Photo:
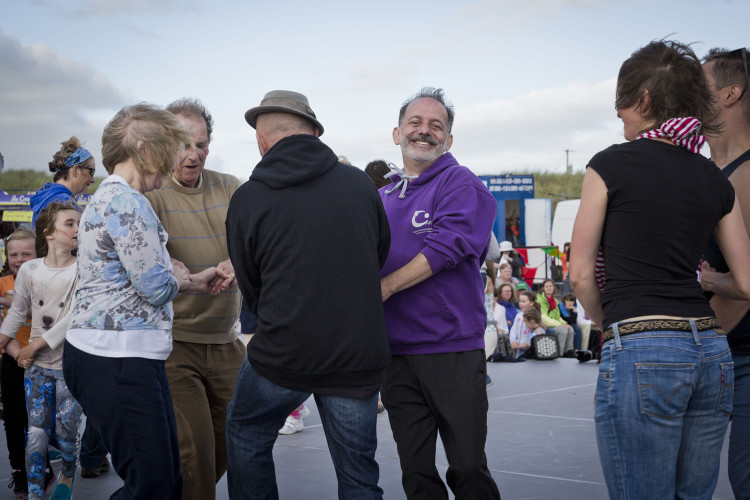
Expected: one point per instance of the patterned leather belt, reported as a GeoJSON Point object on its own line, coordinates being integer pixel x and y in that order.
{"type": "Point", "coordinates": [661, 325]}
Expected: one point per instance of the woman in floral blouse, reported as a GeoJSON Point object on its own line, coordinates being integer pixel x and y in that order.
{"type": "Point", "coordinates": [120, 329]}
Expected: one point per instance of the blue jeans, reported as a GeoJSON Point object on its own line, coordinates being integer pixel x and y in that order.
{"type": "Point", "coordinates": [663, 401]}
{"type": "Point", "coordinates": [257, 412]}
{"type": "Point", "coordinates": [739, 436]}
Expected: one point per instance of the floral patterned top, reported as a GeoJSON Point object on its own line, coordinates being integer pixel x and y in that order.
{"type": "Point", "coordinates": [125, 287]}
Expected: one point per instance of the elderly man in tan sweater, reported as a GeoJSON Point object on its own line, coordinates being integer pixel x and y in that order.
{"type": "Point", "coordinates": [207, 353]}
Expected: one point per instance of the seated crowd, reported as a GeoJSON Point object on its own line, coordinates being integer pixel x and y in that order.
{"type": "Point", "coordinates": [516, 314]}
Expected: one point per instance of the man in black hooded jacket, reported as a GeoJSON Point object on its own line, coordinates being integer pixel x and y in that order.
{"type": "Point", "coordinates": [324, 335]}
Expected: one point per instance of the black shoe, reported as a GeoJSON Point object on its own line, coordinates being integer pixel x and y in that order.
{"type": "Point", "coordinates": [96, 471]}
{"type": "Point", "coordinates": [19, 484]}
{"type": "Point", "coordinates": [569, 354]}
{"type": "Point", "coordinates": [584, 356]}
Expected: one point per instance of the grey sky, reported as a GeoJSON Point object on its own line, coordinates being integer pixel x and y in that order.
{"type": "Point", "coordinates": [528, 79]}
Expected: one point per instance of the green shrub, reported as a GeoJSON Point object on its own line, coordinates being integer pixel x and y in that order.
{"type": "Point", "coordinates": [22, 181]}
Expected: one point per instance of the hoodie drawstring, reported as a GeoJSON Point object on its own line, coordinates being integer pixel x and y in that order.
{"type": "Point", "coordinates": [395, 170]}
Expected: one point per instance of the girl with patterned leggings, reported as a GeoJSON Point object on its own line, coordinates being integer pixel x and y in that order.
{"type": "Point", "coordinates": [44, 287]}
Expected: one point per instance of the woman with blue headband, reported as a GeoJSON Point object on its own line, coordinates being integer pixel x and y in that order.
{"type": "Point", "coordinates": [73, 168]}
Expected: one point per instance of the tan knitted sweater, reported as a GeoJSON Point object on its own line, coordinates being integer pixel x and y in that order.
{"type": "Point", "coordinates": [194, 219]}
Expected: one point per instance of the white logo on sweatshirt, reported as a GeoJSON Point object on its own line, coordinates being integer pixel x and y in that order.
{"type": "Point", "coordinates": [425, 217]}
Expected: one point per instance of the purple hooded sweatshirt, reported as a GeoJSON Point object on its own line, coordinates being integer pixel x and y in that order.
{"type": "Point", "coordinates": [446, 214]}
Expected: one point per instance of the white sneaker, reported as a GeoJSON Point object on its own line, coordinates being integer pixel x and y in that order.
{"type": "Point", "coordinates": [304, 412]}
{"type": "Point", "coordinates": [291, 426]}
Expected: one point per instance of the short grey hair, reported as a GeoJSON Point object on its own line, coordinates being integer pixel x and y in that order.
{"type": "Point", "coordinates": [432, 93]}
{"type": "Point", "coordinates": [188, 106]}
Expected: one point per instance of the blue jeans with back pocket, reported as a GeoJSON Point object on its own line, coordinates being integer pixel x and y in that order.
{"type": "Point", "coordinates": [663, 401]}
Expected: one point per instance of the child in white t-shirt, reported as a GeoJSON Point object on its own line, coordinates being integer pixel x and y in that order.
{"type": "Point", "coordinates": [44, 287]}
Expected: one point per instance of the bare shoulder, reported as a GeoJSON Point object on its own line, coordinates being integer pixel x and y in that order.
{"type": "Point", "coordinates": [740, 179]}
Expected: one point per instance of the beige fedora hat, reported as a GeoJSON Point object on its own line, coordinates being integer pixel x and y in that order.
{"type": "Point", "coordinates": [283, 101]}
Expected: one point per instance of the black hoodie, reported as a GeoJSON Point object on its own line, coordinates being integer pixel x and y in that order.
{"type": "Point", "coordinates": [307, 236]}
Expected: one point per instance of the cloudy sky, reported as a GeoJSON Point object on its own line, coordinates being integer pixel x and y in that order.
{"type": "Point", "coordinates": [528, 78]}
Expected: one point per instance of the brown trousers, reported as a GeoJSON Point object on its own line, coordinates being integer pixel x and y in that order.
{"type": "Point", "coordinates": [202, 379]}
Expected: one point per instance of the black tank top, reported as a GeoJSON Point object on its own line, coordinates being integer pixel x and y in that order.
{"type": "Point", "coordinates": [739, 337]}
{"type": "Point", "coordinates": [663, 202]}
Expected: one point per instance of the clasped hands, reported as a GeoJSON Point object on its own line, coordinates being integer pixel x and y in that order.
{"type": "Point", "coordinates": [24, 356]}
{"type": "Point", "coordinates": [213, 280]}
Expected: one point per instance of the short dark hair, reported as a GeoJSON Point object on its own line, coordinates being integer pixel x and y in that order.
{"type": "Point", "coordinates": [376, 170]}
{"type": "Point", "coordinates": [188, 106]}
{"type": "Point", "coordinates": [727, 71]}
{"type": "Point", "coordinates": [432, 93]}
{"type": "Point", "coordinates": [676, 84]}
{"type": "Point", "coordinates": [569, 297]}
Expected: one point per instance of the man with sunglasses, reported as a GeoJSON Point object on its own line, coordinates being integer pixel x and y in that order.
{"type": "Point", "coordinates": [727, 75]}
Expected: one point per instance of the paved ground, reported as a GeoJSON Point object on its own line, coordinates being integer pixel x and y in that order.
{"type": "Point", "coordinates": [540, 443]}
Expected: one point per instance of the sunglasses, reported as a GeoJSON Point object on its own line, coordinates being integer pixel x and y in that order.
{"type": "Point", "coordinates": [91, 170]}
{"type": "Point", "coordinates": [741, 54]}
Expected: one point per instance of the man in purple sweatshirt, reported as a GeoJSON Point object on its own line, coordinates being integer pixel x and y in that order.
{"type": "Point", "coordinates": [440, 215]}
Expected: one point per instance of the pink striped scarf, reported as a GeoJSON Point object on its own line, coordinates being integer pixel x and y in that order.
{"type": "Point", "coordinates": [681, 131]}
